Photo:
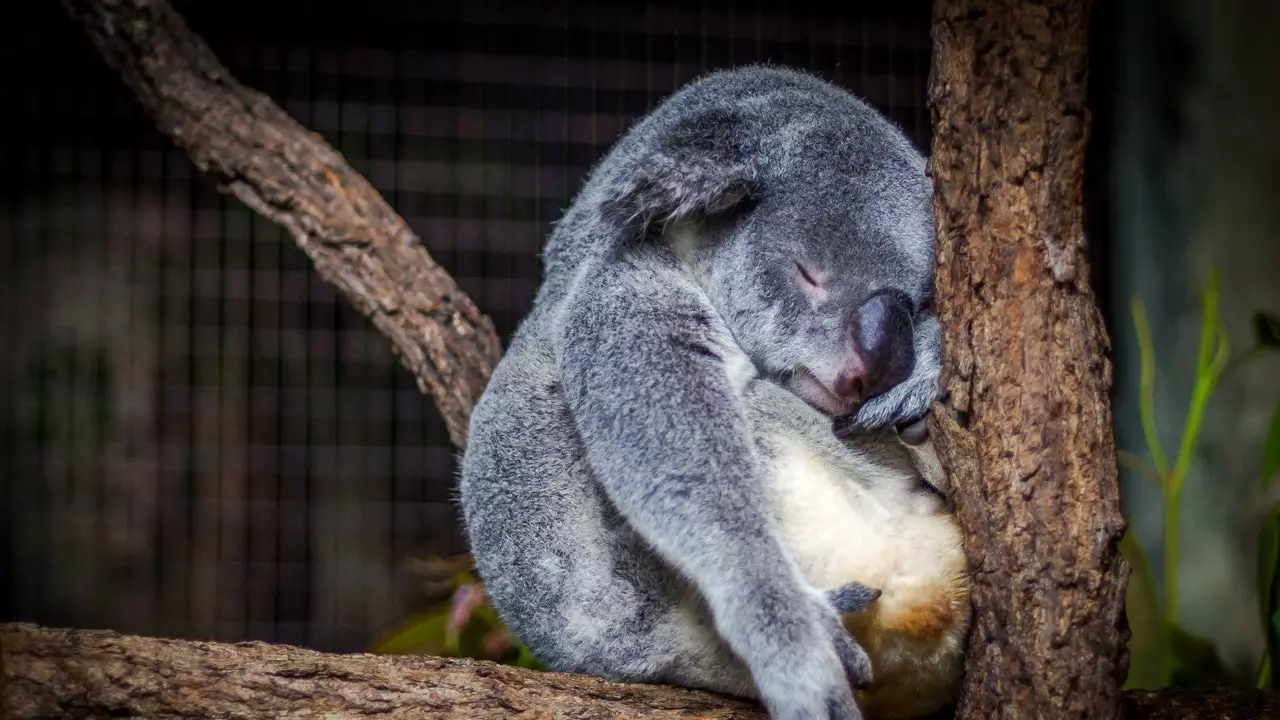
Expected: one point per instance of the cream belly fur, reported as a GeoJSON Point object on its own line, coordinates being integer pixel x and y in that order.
{"type": "Point", "coordinates": [839, 531]}
{"type": "Point", "coordinates": [871, 510]}
{"type": "Point", "coordinates": [868, 509]}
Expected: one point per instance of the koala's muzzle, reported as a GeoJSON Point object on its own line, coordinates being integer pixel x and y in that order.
{"type": "Point", "coordinates": [882, 348]}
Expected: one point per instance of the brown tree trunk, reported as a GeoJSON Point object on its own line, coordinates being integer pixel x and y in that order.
{"type": "Point", "coordinates": [265, 158]}
{"type": "Point", "coordinates": [1032, 457]}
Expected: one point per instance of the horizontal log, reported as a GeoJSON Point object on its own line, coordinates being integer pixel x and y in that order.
{"type": "Point", "coordinates": [57, 673]}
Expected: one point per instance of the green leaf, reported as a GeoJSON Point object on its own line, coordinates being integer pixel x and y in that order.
{"type": "Point", "coordinates": [1268, 557]}
{"type": "Point", "coordinates": [1195, 660]}
{"type": "Point", "coordinates": [1268, 598]}
{"type": "Point", "coordinates": [1146, 397]}
{"type": "Point", "coordinates": [1271, 449]}
{"type": "Point", "coordinates": [425, 633]}
{"type": "Point", "coordinates": [1146, 649]}
{"type": "Point", "coordinates": [1266, 329]}
{"type": "Point", "coordinates": [526, 659]}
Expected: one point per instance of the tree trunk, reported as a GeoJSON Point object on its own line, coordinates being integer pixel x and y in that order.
{"type": "Point", "coordinates": [1031, 457]}
{"type": "Point", "coordinates": [265, 158]}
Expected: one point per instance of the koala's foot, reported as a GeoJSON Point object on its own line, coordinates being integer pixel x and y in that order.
{"type": "Point", "coordinates": [813, 664]}
{"type": "Point", "coordinates": [853, 597]}
{"type": "Point", "coordinates": [907, 403]}
{"type": "Point", "coordinates": [915, 432]}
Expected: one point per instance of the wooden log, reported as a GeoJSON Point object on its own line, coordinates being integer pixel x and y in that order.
{"type": "Point", "coordinates": [53, 674]}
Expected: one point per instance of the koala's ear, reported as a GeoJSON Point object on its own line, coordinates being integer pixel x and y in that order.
{"type": "Point", "coordinates": [695, 167]}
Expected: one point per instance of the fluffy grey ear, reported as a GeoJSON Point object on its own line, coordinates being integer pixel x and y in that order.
{"type": "Point", "coordinates": [694, 166]}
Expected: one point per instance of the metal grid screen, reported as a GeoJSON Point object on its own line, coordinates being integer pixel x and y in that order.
{"type": "Point", "coordinates": [201, 438]}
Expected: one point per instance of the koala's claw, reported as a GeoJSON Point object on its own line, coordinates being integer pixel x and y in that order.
{"type": "Point", "coordinates": [954, 414]}
{"type": "Point", "coordinates": [856, 662]}
{"type": "Point", "coordinates": [806, 680]}
{"type": "Point", "coordinates": [853, 597]}
{"type": "Point", "coordinates": [915, 431]}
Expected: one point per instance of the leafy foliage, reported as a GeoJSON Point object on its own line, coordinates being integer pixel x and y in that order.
{"type": "Point", "coordinates": [459, 622]}
{"type": "Point", "coordinates": [1163, 652]}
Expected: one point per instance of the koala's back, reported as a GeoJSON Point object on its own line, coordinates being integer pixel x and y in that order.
{"type": "Point", "coordinates": [569, 577]}
{"type": "Point", "coordinates": [539, 529]}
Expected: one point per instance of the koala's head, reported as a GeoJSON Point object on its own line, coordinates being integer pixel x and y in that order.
{"type": "Point", "coordinates": [823, 273]}
{"type": "Point", "coordinates": [806, 215]}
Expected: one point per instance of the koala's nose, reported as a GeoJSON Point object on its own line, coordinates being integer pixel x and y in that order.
{"type": "Point", "coordinates": [881, 349]}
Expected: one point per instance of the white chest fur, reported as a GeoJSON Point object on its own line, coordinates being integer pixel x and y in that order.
{"type": "Point", "coordinates": [845, 516]}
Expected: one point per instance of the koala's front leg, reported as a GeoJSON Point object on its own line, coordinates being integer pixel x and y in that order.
{"type": "Point", "coordinates": [910, 400]}
{"type": "Point", "coordinates": [657, 406]}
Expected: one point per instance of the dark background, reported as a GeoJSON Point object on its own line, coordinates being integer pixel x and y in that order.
{"type": "Point", "coordinates": [200, 438]}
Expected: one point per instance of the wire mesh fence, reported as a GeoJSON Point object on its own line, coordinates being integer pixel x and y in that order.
{"type": "Point", "coordinates": [201, 439]}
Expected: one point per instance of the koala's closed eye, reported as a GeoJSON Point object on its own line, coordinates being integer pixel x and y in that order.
{"type": "Point", "coordinates": [811, 278]}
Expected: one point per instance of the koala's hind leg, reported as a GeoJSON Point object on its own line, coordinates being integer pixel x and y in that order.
{"type": "Point", "coordinates": [569, 577]}
{"type": "Point", "coordinates": [623, 616]}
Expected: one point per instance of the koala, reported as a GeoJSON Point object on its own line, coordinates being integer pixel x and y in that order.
{"type": "Point", "coordinates": [649, 484]}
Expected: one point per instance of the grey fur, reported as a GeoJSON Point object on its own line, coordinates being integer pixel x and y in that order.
{"type": "Point", "coordinates": [612, 483]}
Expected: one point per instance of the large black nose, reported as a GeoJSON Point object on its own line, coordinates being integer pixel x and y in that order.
{"type": "Point", "coordinates": [882, 348]}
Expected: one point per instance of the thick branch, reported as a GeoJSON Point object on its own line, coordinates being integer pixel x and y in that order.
{"type": "Point", "coordinates": [1034, 464]}
{"type": "Point", "coordinates": [83, 673]}
{"type": "Point", "coordinates": [96, 674]}
{"type": "Point", "coordinates": [291, 176]}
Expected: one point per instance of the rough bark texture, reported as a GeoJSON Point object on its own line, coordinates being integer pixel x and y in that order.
{"type": "Point", "coordinates": [87, 674]}
{"type": "Point", "coordinates": [97, 674]}
{"type": "Point", "coordinates": [1032, 457]}
{"type": "Point", "coordinates": [275, 166]}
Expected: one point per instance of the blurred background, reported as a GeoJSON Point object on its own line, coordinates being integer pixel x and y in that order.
{"type": "Point", "coordinates": [199, 438]}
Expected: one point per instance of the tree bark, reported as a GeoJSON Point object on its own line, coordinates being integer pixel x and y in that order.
{"type": "Point", "coordinates": [53, 674]}
{"type": "Point", "coordinates": [1032, 456]}
{"type": "Point", "coordinates": [262, 156]}
{"type": "Point", "coordinates": [100, 674]}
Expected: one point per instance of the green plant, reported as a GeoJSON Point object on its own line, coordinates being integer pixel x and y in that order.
{"type": "Point", "coordinates": [459, 621]}
{"type": "Point", "coordinates": [1267, 332]}
{"type": "Point", "coordinates": [1171, 655]}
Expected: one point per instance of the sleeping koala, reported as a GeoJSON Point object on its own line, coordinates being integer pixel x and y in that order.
{"type": "Point", "coordinates": [651, 485]}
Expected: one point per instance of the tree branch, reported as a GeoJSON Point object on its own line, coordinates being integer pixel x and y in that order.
{"type": "Point", "coordinates": [291, 176]}
{"type": "Point", "coordinates": [86, 673]}
{"type": "Point", "coordinates": [53, 674]}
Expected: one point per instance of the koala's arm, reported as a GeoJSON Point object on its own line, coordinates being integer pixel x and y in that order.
{"type": "Point", "coordinates": [651, 381]}
{"type": "Point", "coordinates": [911, 399]}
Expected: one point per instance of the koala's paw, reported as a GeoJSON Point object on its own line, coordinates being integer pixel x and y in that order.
{"type": "Point", "coordinates": [852, 597]}
{"type": "Point", "coordinates": [810, 696]}
{"type": "Point", "coordinates": [904, 404]}
{"type": "Point", "coordinates": [814, 674]}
